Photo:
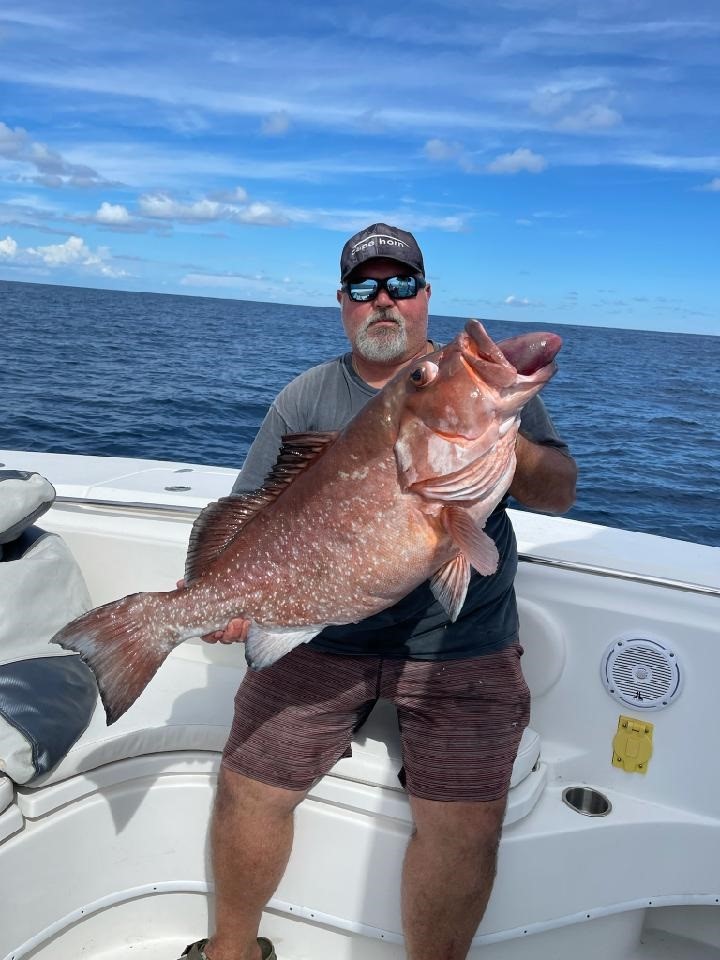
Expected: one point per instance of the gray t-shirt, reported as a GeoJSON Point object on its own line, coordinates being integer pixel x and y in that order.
{"type": "Point", "coordinates": [326, 398]}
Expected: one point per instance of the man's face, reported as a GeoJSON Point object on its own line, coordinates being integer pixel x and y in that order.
{"type": "Point", "coordinates": [384, 330]}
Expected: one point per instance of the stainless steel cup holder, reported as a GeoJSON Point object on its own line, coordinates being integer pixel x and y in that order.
{"type": "Point", "coordinates": [587, 801]}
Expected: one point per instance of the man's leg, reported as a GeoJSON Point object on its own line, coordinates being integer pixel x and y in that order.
{"type": "Point", "coordinates": [448, 875]}
{"type": "Point", "coordinates": [252, 833]}
{"type": "Point", "coordinates": [292, 722]}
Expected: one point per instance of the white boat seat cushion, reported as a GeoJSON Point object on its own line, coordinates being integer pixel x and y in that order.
{"type": "Point", "coordinates": [23, 498]}
{"type": "Point", "coordinates": [6, 793]}
{"type": "Point", "coordinates": [188, 705]}
{"type": "Point", "coordinates": [11, 819]}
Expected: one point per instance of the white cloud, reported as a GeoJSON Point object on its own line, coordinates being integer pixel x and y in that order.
{"type": "Point", "coordinates": [713, 186]}
{"type": "Point", "coordinates": [276, 124]}
{"type": "Point", "coordinates": [8, 247]}
{"type": "Point", "coordinates": [236, 195]}
{"type": "Point", "coordinates": [12, 142]}
{"type": "Point", "coordinates": [27, 18]}
{"type": "Point", "coordinates": [572, 105]}
{"type": "Point", "coordinates": [681, 164]}
{"type": "Point", "coordinates": [50, 168]}
{"type": "Point", "coordinates": [261, 213]}
{"type": "Point", "coordinates": [596, 117]}
{"type": "Point", "coordinates": [74, 252]}
{"type": "Point", "coordinates": [112, 213]}
{"type": "Point", "coordinates": [164, 207]}
{"type": "Point", "coordinates": [513, 301]}
{"type": "Point", "coordinates": [550, 100]}
{"type": "Point", "coordinates": [518, 161]}
{"type": "Point", "coordinates": [439, 151]}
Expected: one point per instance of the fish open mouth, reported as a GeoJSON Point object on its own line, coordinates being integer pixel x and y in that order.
{"type": "Point", "coordinates": [528, 355]}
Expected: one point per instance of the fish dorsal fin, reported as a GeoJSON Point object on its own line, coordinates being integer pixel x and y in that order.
{"type": "Point", "coordinates": [220, 522]}
{"type": "Point", "coordinates": [298, 451]}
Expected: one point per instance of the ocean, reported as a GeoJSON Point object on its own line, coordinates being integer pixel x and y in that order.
{"type": "Point", "coordinates": [190, 378]}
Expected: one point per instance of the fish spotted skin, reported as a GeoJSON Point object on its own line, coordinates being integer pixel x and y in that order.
{"type": "Point", "coordinates": [347, 524]}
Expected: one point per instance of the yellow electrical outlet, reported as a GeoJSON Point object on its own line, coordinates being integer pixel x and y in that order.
{"type": "Point", "coordinates": [632, 745]}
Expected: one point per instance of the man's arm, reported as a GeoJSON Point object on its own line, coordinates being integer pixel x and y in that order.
{"type": "Point", "coordinates": [263, 452]}
{"type": "Point", "coordinates": [545, 477]}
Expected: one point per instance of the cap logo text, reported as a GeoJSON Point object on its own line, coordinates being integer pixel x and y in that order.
{"type": "Point", "coordinates": [377, 239]}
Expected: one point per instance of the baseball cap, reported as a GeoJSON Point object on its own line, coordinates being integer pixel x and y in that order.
{"type": "Point", "coordinates": [381, 240]}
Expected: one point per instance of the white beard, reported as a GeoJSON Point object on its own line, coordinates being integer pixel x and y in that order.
{"type": "Point", "coordinates": [382, 344]}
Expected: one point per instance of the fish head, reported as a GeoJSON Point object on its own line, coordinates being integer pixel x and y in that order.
{"type": "Point", "coordinates": [461, 410]}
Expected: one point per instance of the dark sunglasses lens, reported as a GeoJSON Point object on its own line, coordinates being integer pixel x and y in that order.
{"type": "Point", "coordinates": [401, 288]}
{"type": "Point", "coordinates": [363, 290]}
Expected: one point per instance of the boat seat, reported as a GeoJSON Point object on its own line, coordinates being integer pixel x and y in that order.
{"type": "Point", "coordinates": [6, 792]}
{"type": "Point", "coordinates": [11, 820]}
{"type": "Point", "coordinates": [46, 694]}
{"type": "Point", "coordinates": [188, 706]}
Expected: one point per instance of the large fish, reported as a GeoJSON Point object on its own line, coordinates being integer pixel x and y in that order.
{"type": "Point", "coordinates": [346, 524]}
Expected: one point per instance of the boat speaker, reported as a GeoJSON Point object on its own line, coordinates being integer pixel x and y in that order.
{"type": "Point", "coordinates": [641, 672]}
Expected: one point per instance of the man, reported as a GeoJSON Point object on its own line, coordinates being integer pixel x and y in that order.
{"type": "Point", "coordinates": [457, 786]}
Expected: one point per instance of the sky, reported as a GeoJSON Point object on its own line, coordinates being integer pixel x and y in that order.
{"type": "Point", "coordinates": [558, 162]}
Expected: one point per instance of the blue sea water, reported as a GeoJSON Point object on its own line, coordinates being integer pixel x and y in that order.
{"type": "Point", "coordinates": [190, 378]}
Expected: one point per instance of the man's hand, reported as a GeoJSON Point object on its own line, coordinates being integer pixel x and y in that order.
{"type": "Point", "coordinates": [235, 632]}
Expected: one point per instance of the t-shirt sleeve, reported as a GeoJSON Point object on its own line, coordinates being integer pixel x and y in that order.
{"type": "Point", "coordinates": [536, 425]}
{"type": "Point", "coordinates": [292, 411]}
{"type": "Point", "coordinates": [263, 452]}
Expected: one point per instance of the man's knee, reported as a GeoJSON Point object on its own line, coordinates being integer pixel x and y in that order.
{"type": "Point", "coordinates": [243, 795]}
{"type": "Point", "coordinates": [474, 825]}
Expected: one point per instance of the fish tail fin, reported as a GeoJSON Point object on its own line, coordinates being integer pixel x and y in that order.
{"type": "Point", "coordinates": [123, 643]}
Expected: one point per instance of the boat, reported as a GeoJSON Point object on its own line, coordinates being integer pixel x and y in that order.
{"type": "Point", "coordinates": [611, 841]}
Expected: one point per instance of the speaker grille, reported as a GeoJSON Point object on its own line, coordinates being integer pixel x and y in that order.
{"type": "Point", "coordinates": [641, 673]}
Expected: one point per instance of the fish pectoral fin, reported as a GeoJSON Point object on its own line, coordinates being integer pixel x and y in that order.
{"type": "Point", "coordinates": [472, 540]}
{"type": "Point", "coordinates": [266, 644]}
{"type": "Point", "coordinates": [450, 583]}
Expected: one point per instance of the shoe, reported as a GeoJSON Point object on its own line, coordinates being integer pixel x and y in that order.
{"type": "Point", "coordinates": [196, 951]}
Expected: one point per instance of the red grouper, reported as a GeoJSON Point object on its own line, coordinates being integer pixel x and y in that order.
{"type": "Point", "coordinates": [346, 524]}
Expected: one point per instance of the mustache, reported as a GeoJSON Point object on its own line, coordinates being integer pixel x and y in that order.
{"type": "Point", "coordinates": [385, 314]}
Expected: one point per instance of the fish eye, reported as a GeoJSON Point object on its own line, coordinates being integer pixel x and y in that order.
{"type": "Point", "coordinates": [424, 374]}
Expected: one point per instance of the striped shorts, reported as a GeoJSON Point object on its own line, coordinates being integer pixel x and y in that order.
{"type": "Point", "coordinates": [460, 720]}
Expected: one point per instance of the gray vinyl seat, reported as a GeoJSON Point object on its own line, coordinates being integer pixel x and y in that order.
{"type": "Point", "coordinates": [46, 695]}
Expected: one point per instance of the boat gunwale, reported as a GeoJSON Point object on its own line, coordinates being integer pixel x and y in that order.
{"type": "Point", "coordinates": [190, 512]}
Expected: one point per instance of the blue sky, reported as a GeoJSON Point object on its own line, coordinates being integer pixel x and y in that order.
{"type": "Point", "coordinates": [559, 162]}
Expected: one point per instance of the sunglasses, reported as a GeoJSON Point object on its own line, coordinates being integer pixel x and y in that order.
{"type": "Point", "coordinates": [398, 288]}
